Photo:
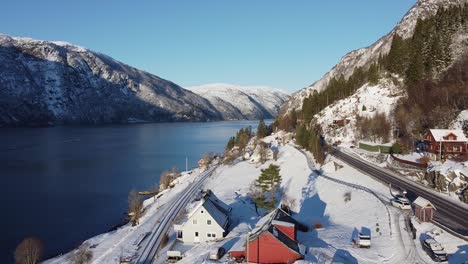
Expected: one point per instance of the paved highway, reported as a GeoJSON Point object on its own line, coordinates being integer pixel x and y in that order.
{"type": "Point", "coordinates": [148, 251]}
{"type": "Point", "coordinates": [450, 213]}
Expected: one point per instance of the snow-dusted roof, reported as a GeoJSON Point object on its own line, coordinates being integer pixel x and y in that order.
{"type": "Point", "coordinates": [439, 134]}
{"type": "Point", "coordinates": [421, 202]}
{"type": "Point", "coordinates": [215, 207]}
{"type": "Point", "coordinates": [277, 216]}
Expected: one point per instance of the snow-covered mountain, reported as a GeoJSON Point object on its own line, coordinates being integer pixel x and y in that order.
{"type": "Point", "coordinates": [366, 56]}
{"type": "Point", "coordinates": [45, 82]}
{"type": "Point", "coordinates": [242, 102]}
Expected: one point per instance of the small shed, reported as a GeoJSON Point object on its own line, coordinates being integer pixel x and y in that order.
{"type": "Point", "coordinates": [423, 209]}
{"type": "Point", "coordinates": [237, 251]}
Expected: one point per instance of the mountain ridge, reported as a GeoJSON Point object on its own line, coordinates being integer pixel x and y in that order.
{"type": "Point", "coordinates": [363, 57]}
{"type": "Point", "coordinates": [242, 102]}
{"type": "Point", "coordinates": [44, 83]}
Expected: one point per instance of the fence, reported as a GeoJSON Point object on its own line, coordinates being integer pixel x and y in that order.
{"type": "Point", "coordinates": [407, 162]}
{"type": "Point", "coordinates": [375, 148]}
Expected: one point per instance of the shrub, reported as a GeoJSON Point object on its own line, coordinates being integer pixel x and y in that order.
{"type": "Point", "coordinates": [82, 255]}
{"type": "Point", "coordinates": [29, 251]}
{"type": "Point", "coordinates": [347, 197]}
{"type": "Point", "coordinates": [396, 148]}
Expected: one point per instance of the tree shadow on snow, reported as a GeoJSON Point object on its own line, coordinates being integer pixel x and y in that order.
{"type": "Point", "coordinates": [243, 211]}
{"type": "Point", "coordinates": [343, 256]}
{"type": "Point", "coordinates": [460, 255]}
{"type": "Point", "coordinates": [312, 212]}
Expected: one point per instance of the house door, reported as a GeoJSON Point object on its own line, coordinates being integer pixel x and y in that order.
{"type": "Point", "coordinates": [196, 238]}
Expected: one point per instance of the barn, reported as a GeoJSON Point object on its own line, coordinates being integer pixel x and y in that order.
{"type": "Point", "coordinates": [423, 209]}
{"type": "Point", "coordinates": [274, 240]}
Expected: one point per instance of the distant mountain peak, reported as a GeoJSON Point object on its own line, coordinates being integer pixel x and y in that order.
{"type": "Point", "coordinates": [242, 102]}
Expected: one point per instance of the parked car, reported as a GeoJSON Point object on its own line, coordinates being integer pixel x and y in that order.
{"type": "Point", "coordinates": [173, 256]}
{"type": "Point", "coordinates": [364, 238]}
{"type": "Point", "coordinates": [217, 253]}
{"type": "Point", "coordinates": [401, 204]}
{"type": "Point", "coordinates": [401, 198]}
{"type": "Point", "coordinates": [434, 250]}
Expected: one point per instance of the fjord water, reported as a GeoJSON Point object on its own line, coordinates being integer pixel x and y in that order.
{"type": "Point", "coordinates": [66, 184]}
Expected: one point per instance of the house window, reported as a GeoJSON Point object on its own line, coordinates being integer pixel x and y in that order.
{"type": "Point", "coordinates": [196, 234]}
{"type": "Point", "coordinates": [213, 235]}
{"type": "Point", "coordinates": [456, 149]}
{"type": "Point", "coordinates": [201, 211]}
{"type": "Point", "coordinates": [194, 222]}
{"type": "Point", "coordinates": [208, 222]}
{"type": "Point", "coordinates": [179, 234]}
{"type": "Point", "coordinates": [208, 234]}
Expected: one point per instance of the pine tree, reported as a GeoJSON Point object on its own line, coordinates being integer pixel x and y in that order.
{"type": "Point", "coordinates": [269, 178]}
{"type": "Point", "coordinates": [373, 74]}
{"type": "Point", "coordinates": [262, 130]}
{"type": "Point", "coordinates": [397, 56]}
{"type": "Point", "coordinates": [231, 143]}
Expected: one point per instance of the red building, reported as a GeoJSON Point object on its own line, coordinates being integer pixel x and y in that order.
{"type": "Point", "coordinates": [423, 209]}
{"type": "Point", "coordinates": [274, 240]}
{"type": "Point", "coordinates": [445, 143]}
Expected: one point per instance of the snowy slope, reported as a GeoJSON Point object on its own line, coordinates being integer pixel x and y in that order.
{"type": "Point", "coordinates": [366, 56]}
{"type": "Point", "coordinates": [56, 82]}
{"type": "Point", "coordinates": [317, 199]}
{"type": "Point", "coordinates": [380, 98]}
{"type": "Point", "coordinates": [242, 102]}
{"type": "Point", "coordinates": [461, 122]}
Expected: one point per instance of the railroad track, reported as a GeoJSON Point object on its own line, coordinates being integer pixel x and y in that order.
{"type": "Point", "coordinates": [150, 249]}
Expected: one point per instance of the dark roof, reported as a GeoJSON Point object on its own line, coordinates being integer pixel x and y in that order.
{"type": "Point", "coordinates": [265, 225]}
{"type": "Point", "coordinates": [284, 239]}
{"type": "Point", "coordinates": [217, 209]}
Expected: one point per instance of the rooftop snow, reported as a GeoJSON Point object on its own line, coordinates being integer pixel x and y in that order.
{"type": "Point", "coordinates": [439, 134]}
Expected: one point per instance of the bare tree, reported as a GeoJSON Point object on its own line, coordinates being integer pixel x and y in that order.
{"type": "Point", "coordinates": [135, 206]}
{"type": "Point", "coordinates": [263, 151]}
{"type": "Point", "coordinates": [82, 255]}
{"type": "Point", "coordinates": [29, 251]}
{"type": "Point", "coordinates": [208, 158]}
{"type": "Point", "coordinates": [165, 180]}
{"type": "Point", "coordinates": [275, 154]}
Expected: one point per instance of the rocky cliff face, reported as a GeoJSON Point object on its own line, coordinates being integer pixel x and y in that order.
{"type": "Point", "coordinates": [236, 102]}
{"type": "Point", "coordinates": [366, 56]}
{"type": "Point", "coordinates": [58, 83]}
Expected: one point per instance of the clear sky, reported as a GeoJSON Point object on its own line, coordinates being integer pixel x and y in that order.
{"type": "Point", "coordinates": [284, 44]}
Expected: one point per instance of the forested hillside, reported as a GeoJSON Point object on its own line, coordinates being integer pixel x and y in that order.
{"type": "Point", "coordinates": [430, 67]}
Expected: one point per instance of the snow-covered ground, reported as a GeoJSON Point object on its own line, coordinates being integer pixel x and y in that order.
{"type": "Point", "coordinates": [109, 247]}
{"type": "Point", "coordinates": [317, 199]}
{"type": "Point", "coordinates": [366, 101]}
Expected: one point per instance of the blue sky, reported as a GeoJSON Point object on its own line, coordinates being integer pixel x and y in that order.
{"type": "Point", "coordinates": [284, 44]}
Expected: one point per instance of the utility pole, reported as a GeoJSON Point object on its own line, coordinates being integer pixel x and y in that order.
{"type": "Point", "coordinates": [440, 150]}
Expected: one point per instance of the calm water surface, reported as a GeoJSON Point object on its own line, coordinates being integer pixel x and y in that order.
{"type": "Point", "coordinates": [66, 184]}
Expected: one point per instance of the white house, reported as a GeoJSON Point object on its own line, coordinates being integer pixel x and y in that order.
{"type": "Point", "coordinates": [209, 220]}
